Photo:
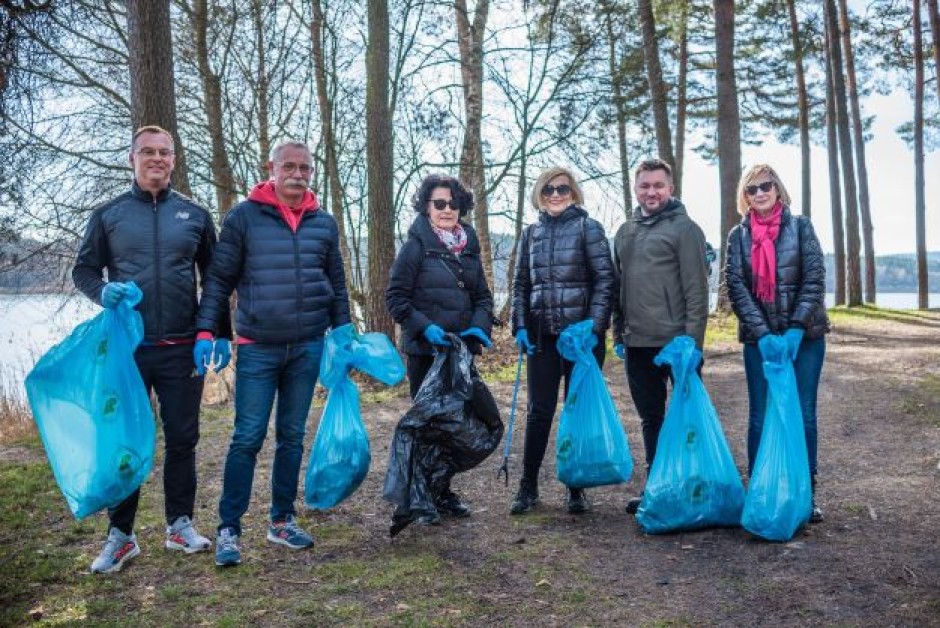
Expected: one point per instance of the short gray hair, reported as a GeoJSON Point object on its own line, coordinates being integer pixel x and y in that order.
{"type": "Point", "coordinates": [280, 148]}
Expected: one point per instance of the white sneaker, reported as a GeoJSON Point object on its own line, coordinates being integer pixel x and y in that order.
{"type": "Point", "coordinates": [183, 536]}
{"type": "Point", "coordinates": [117, 550]}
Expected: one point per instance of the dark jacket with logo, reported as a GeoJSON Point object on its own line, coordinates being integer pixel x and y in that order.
{"type": "Point", "coordinates": [158, 243]}
{"type": "Point", "coordinates": [662, 278]}
{"type": "Point", "coordinates": [429, 284]}
{"type": "Point", "coordinates": [564, 274]}
{"type": "Point", "coordinates": [801, 281]}
{"type": "Point", "coordinates": [291, 285]}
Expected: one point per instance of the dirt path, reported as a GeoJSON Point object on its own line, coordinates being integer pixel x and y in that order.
{"type": "Point", "coordinates": [874, 561]}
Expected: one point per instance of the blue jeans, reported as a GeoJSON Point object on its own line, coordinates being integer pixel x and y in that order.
{"type": "Point", "coordinates": [262, 371]}
{"type": "Point", "coordinates": [807, 368]}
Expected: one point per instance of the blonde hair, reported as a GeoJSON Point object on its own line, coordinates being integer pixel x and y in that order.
{"type": "Point", "coordinates": [577, 196]}
{"type": "Point", "coordinates": [752, 174]}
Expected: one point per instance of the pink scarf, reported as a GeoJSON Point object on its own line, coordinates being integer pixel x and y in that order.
{"type": "Point", "coordinates": [764, 232]}
{"type": "Point", "coordinates": [455, 240]}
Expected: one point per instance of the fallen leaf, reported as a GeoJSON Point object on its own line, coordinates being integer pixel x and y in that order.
{"type": "Point", "coordinates": [402, 607]}
{"type": "Point", "coordinates": [543, 583]}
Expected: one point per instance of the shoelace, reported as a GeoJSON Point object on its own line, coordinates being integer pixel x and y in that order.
{"type": "Point", "coordinates": [228, 541]}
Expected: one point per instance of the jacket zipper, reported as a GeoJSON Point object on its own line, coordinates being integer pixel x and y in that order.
{"type": "Point", "coordinates": [156, 265]}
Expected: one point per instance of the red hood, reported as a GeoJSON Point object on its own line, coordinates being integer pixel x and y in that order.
{"type": "Point", "coordinates": [264, 193]}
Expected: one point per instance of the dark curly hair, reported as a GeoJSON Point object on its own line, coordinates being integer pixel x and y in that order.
{"type": "Point", "coordinates": [462, 197]}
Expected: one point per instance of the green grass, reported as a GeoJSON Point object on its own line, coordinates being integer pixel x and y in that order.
{"type": "Point", "coordinates": [923, 402]}
{"type": "Point", "coordinates": [870, 314]}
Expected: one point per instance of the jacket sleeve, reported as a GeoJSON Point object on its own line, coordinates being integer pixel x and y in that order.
{"type": "Point", "coordinates": [812, 291]}
{"type": "Point", "coordinates": [521, 283]}
{"type": "Point", "coordinates": [618, 314]}
{"type": "Point", "coordinates": [400, 292]}
{"type": "Point", "coordinates": [204, 254]}
{"type": "Point", "coordinates": [339, 309]}
{"type": "Point", "coordinates": [693, 273]}
{"type": "Point", "coordinates": [602, 271]}
{"type": "Point", "coordinates": [224, 272]}
{"type": "Point", "coordinates": [93, 256]}
{"type": "Point", "coordinates": [743, 302]}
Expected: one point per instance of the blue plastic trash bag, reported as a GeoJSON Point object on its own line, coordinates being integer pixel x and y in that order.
{"type": "Point", "coordinates": [340, 457]}
{"type": "Point", "coordinates": [779, 497]}
{"type": "Point", "coordinates": [591, 447]}
{"type": "Point", "coordinates": [694, 482]}
{"type": "Point", "coordinates": [93, 412]}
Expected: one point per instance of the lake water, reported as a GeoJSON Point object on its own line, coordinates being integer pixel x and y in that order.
{"type": "Point", "coordinates": [31, 324]}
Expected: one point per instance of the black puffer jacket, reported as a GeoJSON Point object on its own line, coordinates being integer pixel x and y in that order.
{"type": "Point", "coordinates": [156, 242]}
{"type": "Point", "coordinates": [564, 275]}
{"type": "Point", "coordinates": [424, 288]}
{"type": "Point", "coordinates": [801, 282]}
{"type": "Point", "coordinates": [291, 285]}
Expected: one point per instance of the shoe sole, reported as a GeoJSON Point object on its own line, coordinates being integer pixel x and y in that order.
{"type": "Point", "coordinates": [228, 563]}
{"type": "Point", "coordinates": [279, 541]}
{"type": "Point", "coordinates": [170, 545]}
{"type": "Point", "coordinates": [578, 510]}
{"type": "Point", "coordinates": [116, 567]}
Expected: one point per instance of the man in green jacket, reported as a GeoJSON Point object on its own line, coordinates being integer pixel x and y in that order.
{"type": "Point", "coordinates": [659, 256]}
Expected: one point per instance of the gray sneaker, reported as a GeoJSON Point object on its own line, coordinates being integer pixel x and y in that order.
{"type": "Point", "coordinates": [227, 553]}
{"type": "Point", "coordinates": [117, 550]}
{"type": "Point", "coordinates": [289, 534]}
{"type": "Point", "coordinates": [181, 535]}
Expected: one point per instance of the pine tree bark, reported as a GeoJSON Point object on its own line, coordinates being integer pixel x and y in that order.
{"type": "Point", "coordinates": [934, 13]}
{"type": "Point", "coordinates": [654, 73]}
{"type": "Point", "coordinates": [920, 204]}
{"type": "Point", "coordinates": [380, 166]}
{"type": "Point", "coordinates": [729, 126]}
{"type": "Point", "coordinates": [860, 162]}
{"type": "Point", "coordinates": [802, 100]}
{"type": "Point", "coordinates": [681, 95]}
{"type": "Point", "coordinates": [617, 88]}
{"type": "Point", "coordinates": [853, 242]}
{"type": "Point", "coordinates": [153, 85]}
{"type": "Point", "coordinates": [472, 170]}
{"type": "Point", "coordinates": [835, 185]}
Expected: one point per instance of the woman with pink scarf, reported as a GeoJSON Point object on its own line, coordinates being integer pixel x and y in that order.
{"type": "Point", "coordinates": [776, 280]}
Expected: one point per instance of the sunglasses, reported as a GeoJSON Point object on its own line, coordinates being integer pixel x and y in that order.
{"type": "Point", "coordinates": [563, 190]}
{"type": "Point", "coordinates": [440, 204]}
{"type": "Point", "coordinates": [766, 186]}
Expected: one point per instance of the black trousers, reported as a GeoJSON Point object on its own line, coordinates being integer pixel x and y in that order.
{"type": "Point", "coordinates": [168, 370]}
{"type": "Point", "coordinates": [648, 389]}
{"type": "Point", "coordinates": [544, 372]}
{"type": "Point", "coordinates": [417, 367]}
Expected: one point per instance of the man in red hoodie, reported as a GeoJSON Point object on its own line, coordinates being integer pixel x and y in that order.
{"type": "Point", "coordinates": [281, 253]}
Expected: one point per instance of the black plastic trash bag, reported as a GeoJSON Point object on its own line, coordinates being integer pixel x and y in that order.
{"type": "Point", "coordinates": [453, 426]}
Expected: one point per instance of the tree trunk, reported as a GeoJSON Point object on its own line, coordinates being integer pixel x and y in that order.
{"type": "Point", "coordinates": [803, 105]}
{"type": "Point", "coordinates": [222, 178]}
{"type": "Point", "coordinates": [380, 166]}
{"type": "Point", "coordinates": [521, 198]}
{"type": "Point", "coordinates": [331, 161]}
{"type": "Point", "coordinates": [262, 93]}
{"type": "Point", "coordinates": [835, 195]}
{"type": "Point", "coordinates": [472, 167]}
{"type": "Point", "coordinates": [153, 92]}
{"type": "Point", "coordinates": [617, 87]}
{"type": "Point", "coordinates": [920, 205]}
{"type": "Point", "coordinates": [681, 95]}
{"type": "Point", "coordinates": [860, 163]}
{"type": "Point", "coordinates": [654, 73]}
{"type": "Point", "coordinates": [729, 127]}
{"type": "Point", "coordinates": [934, 13]}
{"type": "Point", "coordinates": [853, 243]}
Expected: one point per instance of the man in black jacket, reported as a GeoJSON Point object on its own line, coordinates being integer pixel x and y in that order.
{"type": "Point", "coordinates": [281, 252]}
{"type": "Point", "coordinates": [157, 238]}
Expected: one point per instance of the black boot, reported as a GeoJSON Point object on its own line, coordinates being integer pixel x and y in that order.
{"type": "Point", "coordinates": [816, 516]}
{"type": "Point", "coordinates": [633, 504]}
{"type": "Point", "coordinates": [577, 501]}
{"type": "Point", "coordinates": [449, 504]}
{"type": "Point", "coordinates": [526, 497]}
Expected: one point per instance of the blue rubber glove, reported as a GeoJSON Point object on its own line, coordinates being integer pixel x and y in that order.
{"type": "Point", "coordinates": [112, 294]}
{"type": "Point", "coordinates": [773, 348]}
{"type": "Point", "coordinates": [202, 355]}
{"type": "Point", "coordinates": [479, 334]}
{"type": "Point", "coordinates": [223, 353]}
{"type": "Point", "coordinates": [793, 336]}
{"type": "Point", "coordinates": [435, 335]}
{"type": "Point", "coordinates": [621, 350]}
{"type": "Point", "coordinates": [522, 341]}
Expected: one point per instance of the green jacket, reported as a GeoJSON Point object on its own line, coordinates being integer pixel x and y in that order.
{"type": "Point", "coordinates": [662, 279]}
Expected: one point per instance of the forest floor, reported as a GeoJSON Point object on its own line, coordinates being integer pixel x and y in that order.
{"type": "Point", "coordinates": [874, 561]}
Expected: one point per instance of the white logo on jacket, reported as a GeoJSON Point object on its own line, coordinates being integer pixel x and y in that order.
{"type": "Point", "coordinates": [182, 215]}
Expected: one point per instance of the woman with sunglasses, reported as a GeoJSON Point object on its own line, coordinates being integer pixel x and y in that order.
{"type": "Point", "coordinates": [564, 275]}
{"type": "Point", "coordinates": [776, 281]}
{"type": "Point", "coordinates": [437, 286]}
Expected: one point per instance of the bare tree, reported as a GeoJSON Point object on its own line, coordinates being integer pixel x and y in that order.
{"type": "Point", "coordinates": [920, 205]}
{"type": "Point", "coordinates": [835, 186]}
{"type": "Point", "coordinates": [803, 106]}
{"type": "Point", "coordinates": [656, 84]}
{"type": "Point", "coordinates": [682, 87]}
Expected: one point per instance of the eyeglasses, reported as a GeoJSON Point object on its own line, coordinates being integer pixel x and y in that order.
{"type": "Point", "coordinates": [766, 186]}
{"type": "Point", "coordinates": [289, 166]}
{"type": "Point", "coordinates": [563, 190]}
{"type": "Point", "coordinates": [153, 152]}
{"type": "Point", "coordinates": [441, 203]}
